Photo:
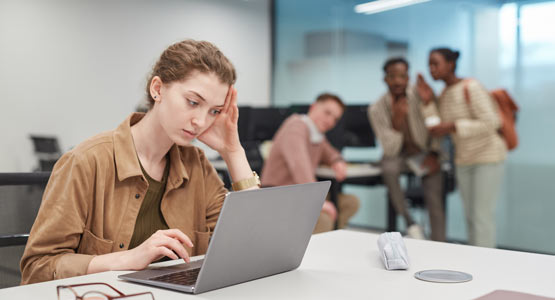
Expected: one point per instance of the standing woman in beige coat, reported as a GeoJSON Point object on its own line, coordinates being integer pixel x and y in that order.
{"type": "Point", "coordinates": [127, 197]}
{"type": "Point", "coordinates": [472, 121]}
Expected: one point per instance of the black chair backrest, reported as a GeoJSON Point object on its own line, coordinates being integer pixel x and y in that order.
{"type": "Point", "coordinates": [45, 144]}
{"type": "Point", "coordinates": [260, 124]}
{"type": "Point", "coordinates": [19, 205]}
{"type": "Point", "coordinates": [264, 122]}
{"type": "Point", "coordinates": [358, 132]}
{"type": "Point", "coordinates": [47, 151]}
{"type": "Point", "coordinates": [243, 122]}
{"type": "Point", "coordinates": [257, 124]}
{"type": "Point", "coordinates": [20, 198]}
{"type": "Point", "coordinates": [299, 108]}
{"type": "Point", "coordinates": [252, 151]}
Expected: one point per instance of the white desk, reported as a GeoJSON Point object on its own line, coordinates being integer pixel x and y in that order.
{"type": "Point", "coordinates": [353, 170]}
{"type": "Point", "coordinates": [346, 265]}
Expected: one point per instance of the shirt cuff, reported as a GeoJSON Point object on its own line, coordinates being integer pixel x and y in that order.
{"type": "Point", "coordinates": [70, 265]}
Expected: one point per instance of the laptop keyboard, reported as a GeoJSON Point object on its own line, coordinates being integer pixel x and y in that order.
{"type": "Point", "coordinates": [187, 277]}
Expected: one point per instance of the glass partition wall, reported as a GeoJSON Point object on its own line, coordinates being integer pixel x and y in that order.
{"type": "Point", "coordinates": [325, 45]}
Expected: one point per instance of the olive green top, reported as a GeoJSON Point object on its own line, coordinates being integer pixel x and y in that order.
{"type": "Point", "coordinates": [150, 218]}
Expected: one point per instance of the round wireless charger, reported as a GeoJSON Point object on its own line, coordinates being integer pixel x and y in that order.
{"type": "Point", "coordinates": [443, 276]}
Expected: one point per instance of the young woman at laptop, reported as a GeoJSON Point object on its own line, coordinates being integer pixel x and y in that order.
{"type": "Point", "coordinates": [125, 198]}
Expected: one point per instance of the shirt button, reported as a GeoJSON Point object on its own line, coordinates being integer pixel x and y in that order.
{"type": "Point", "coordinates": [137, 196]}
{"type": "Point", "coordinates": [121, 245]}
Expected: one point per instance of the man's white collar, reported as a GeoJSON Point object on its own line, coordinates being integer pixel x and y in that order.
{"type": "Point", "coordinates": [316, 136]}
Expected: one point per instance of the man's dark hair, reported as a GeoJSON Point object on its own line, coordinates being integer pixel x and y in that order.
{"type": "Point", "coordinates": [328, 96]}
{"type": "Point", "coordinates": [395, 60]}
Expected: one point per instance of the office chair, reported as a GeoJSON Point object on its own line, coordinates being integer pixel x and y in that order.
{"type": "Point", "coordinates": [20, 198]}
{"type": "Point", "coordinates": [252, 150]}
{"type": "Point", "coordinates": [243, 122]}
{"type": "Point", "coordinates": [299, 108]}
{"type": "Point", "coordinates": [353, 129]}
{"type": "Point", "coordinates": [47, 151]}
{"type": "Point", "coordinates": [264, 122]}
{"type": "Point", "coordinates": [358, 131]}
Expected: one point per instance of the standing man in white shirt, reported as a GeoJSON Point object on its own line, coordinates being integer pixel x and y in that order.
{"type": "Point", "coordinates": [400, 128]}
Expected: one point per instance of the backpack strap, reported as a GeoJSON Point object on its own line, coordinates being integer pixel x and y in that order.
{"type": "Point", "coordinates": [466, 92]}
{"type": "Point", "coordinates": [467, 95]}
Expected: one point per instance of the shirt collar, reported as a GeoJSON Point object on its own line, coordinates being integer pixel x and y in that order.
{"type": "Point", "coordinates": [127, 161]}
{"type": "Point", "coordinates": [316, 136]}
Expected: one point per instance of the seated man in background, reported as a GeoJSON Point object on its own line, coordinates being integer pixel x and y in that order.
{"type": "Point", "coordinates": [299, 146]}
{"type": "Point", "coordinates": [399, 125]}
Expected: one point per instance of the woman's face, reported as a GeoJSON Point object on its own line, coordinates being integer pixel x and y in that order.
{"type": "Point", "coordinates": [187, 108]}
{"type": "Point", "coordinates": [439, 66]}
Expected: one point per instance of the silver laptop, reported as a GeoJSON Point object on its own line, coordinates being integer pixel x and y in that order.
{"type": "Point", "coordinates": [259, 233]}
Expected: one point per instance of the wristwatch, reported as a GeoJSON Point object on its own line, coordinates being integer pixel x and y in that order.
{"type": "Point", "coordinates": [246, 183]}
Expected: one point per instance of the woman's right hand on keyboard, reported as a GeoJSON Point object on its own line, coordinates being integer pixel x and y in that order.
{"type": "Point", "coordinates": [162, 243]}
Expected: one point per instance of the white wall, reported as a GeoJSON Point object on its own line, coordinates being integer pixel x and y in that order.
{"type": "Point", "coordinates": [75, 68]}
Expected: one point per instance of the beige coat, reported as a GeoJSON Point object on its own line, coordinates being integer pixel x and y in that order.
{"type": "Point", "coordinates": [476, 138]}
{"type": "Point", "coordinates": [391, 140]}
{"type": "Point", "coordinates": [93, 197]}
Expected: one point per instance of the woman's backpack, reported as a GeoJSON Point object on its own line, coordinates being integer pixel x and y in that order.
{"type": "Point", "coordinates": [507, 111]}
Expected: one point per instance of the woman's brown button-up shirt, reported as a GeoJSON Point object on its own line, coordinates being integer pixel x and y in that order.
{"type": "Point", "coordinates": [90, 206]}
